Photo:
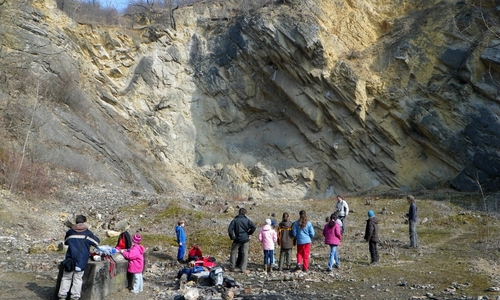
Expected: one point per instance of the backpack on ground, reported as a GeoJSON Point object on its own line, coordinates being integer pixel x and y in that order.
{"type": "Point", "coordinates": [208, 262]}
{"type": "Point", "coordinates": [216, 276]}
{"type": "Point", "coordinates": [195, 253]}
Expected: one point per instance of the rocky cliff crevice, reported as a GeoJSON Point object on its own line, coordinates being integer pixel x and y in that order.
{"type": "Point", "coordinates": [297, 99]}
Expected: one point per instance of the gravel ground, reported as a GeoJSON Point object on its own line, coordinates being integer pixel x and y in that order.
{"type": "Point", "coordinates": [31, 233]}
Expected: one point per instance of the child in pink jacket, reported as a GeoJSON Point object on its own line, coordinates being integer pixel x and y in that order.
{"type": "Point", "coordinates": [135, 257]}
{"type": "Point", "coordinates": [268, 237]}
{"type": "Point", "coordinates": [333, 236]}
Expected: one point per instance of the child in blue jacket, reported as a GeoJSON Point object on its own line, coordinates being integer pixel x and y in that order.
{"type": "Point", "coordinates": [181, 240]}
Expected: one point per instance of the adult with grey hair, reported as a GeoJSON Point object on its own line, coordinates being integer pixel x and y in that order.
{"type": "Point", "coordinates": [412, 220]}
{"type": "Point", "coordinates": [239, 231]}
{"type": "Point", "coordinates": [342, 210]}
{"type": "Point", "coordinates": [79, 239]}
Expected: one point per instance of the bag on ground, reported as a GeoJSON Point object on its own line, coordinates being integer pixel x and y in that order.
{"type": "Point", "coordinates": [195, 253]}
{"type": "Point", "coordinates": [217, 276]}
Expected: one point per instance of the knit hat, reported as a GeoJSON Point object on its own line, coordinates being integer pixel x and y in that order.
{"type": "Point", "coordinates": [268, 221]}
{"type": "Point", "coordinates": [137, 238]}
{"type": "Point", "coordinates": [371, 213]}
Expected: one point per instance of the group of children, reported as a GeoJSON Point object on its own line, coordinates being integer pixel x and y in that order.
{"type": "Point", "coordinates": [287, 235]}
{"type": "Point", "coordinates": [300, 234]}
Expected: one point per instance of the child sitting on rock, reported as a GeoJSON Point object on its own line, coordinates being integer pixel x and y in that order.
{"type": "Point", "coordinates": [135, 257]}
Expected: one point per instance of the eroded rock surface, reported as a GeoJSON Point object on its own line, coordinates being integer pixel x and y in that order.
{"type": "Point", "coordinates": [297, 99]}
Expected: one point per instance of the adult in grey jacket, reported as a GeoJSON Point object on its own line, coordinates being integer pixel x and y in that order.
{"type": "Point", "coordinates": [239, 231]}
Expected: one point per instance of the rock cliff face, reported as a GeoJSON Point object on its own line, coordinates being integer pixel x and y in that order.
{"type": "Point", "coordinates": [297, 99]}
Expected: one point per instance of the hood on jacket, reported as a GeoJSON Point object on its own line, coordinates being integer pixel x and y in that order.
{"type": "Point", "coordinates": [80, 227]}
{"type": "Point", "coordinates": [287, 223]}
{"type": "Point", "coordinates": [373, 219]}
{"type": "Point", "coordinates": [266, 227]}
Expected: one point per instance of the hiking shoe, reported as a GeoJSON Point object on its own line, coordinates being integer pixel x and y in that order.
{"type": "Point", "coordinates": [297, 268]}
{"type": "Point", "coordinates": [336, 266]}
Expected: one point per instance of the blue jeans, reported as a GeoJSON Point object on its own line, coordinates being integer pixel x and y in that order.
{"type": "Point", "coordinates": [334, 257]}
{"type": "Point", "coordinates": [268, 257]}
{"type": "Point", "coordinates": [138, 283]}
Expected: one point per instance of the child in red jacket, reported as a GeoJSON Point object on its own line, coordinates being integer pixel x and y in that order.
{"type": "Point", "coordinates": [135, 257]}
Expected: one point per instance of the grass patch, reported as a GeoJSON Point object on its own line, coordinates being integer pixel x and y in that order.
{"type": "Point", "coordinates": [213, 243]}
{"type": "Point", "coordinates": [175, 211]}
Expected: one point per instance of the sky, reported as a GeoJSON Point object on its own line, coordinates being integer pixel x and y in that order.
{"type": "Point", "coordinates": [122, 4]}
{"type": "Point", "coordinates": [118, 4]}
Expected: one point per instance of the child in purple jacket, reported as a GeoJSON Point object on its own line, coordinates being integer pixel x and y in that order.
{"type": "Point", "coordinates": [135, 257]}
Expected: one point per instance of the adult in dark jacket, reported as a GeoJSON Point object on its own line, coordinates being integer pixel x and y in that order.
{"type": "Point", "coordinates": [412, 220]}
{"type": "Point", "coordinates": [371, 235]}
{"type": "Point", "coordinates": [239, 231]}
{"type": "Point", "coordinates": [285, 241]}
{"type": "Point", "coordinates": [79, 239]}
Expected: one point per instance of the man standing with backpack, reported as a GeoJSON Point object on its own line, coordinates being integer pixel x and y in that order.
{"type": "Point", "coordinates": [79, 239]}
{"type": "Point", "coordinates": [239, 231]}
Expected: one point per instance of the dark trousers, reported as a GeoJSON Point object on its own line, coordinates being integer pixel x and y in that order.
{"type": "Point", "coordinates": [285, 258]}
{"type": "Point", "coordinates": [373, 251]}
{"type": "Point", "coordinates": [344, 225]}
{"type": "Point", "coordinates": [239, 250]}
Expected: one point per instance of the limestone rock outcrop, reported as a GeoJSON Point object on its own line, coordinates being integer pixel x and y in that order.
{"type": "Point", "coordinates": [296, 99]}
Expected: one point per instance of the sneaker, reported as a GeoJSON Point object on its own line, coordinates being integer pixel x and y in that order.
{"type": "Point", "coordinates": [336, 266]}
{"type": "Point", "coordinates": [297, 268]}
